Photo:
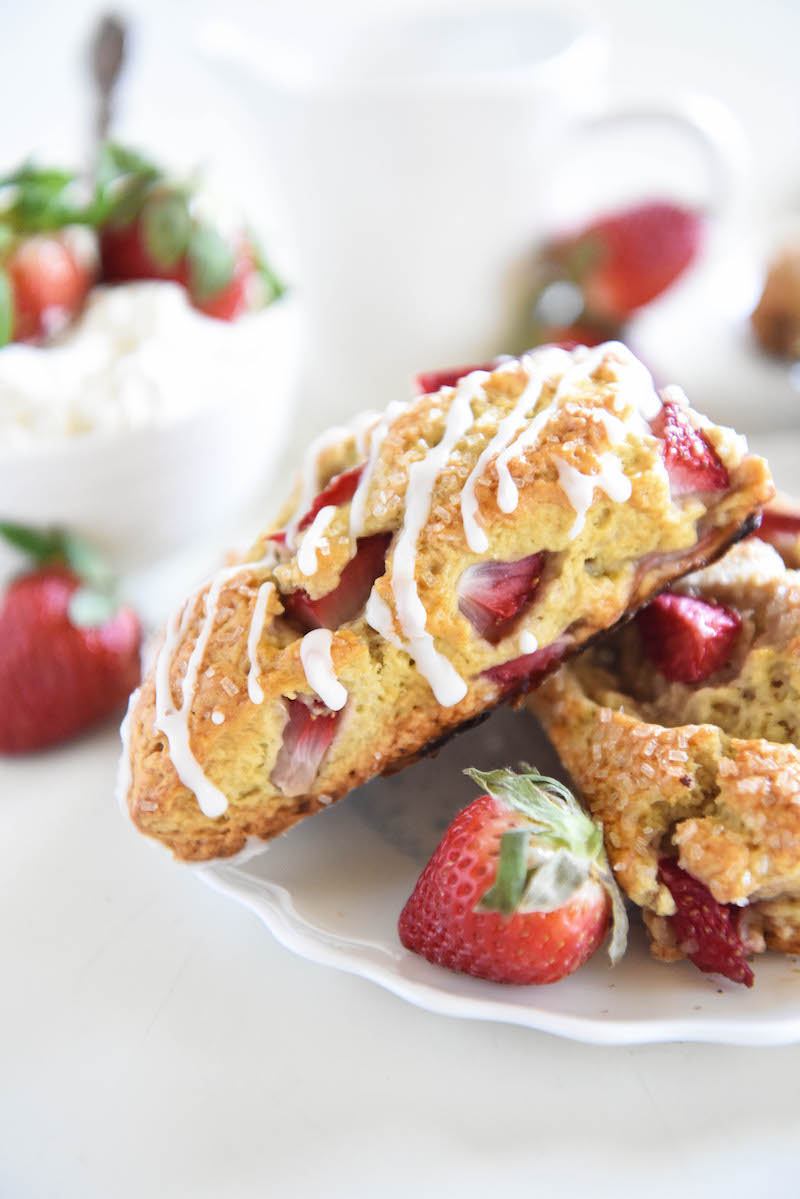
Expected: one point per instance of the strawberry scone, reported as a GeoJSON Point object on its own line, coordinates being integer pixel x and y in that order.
{"type": "Point", "coordinates": [433, 561]}
{"type": "Point", "coordinates": [683, 732]}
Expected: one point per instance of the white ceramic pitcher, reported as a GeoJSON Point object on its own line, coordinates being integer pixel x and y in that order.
{"type": "Point", "coordinates": [414, 159]}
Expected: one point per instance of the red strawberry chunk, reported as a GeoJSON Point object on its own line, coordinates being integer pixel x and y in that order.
{"type": "Point", "coordinates": [340, 490]}
{"type": "Point", "coordinates": [522, 674]}
{"type": "Point", "coordinates": [704, 929]}
{"type": "Point", "coordinates": [493, 595]}
{"type": "Point", "coordinates": [429, 381]}
{"type": "Point", "coordinates": [775, 522]}
{"type": "Point", "coordinates": [347, 600]}
{"type": "Point", "coordinates": [692, 464]}
{"type": "Point", "coordinates": [57, 679]}
{"type": "Point", "coordinates": [687, 639]}
{"type": "Point", "coordinates": [307, 735]}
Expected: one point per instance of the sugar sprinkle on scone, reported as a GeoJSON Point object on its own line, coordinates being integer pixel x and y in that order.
{"type": "Point", "coordinates": [432, 561]}
{"type": "Point", "coordinates": [683, 732]}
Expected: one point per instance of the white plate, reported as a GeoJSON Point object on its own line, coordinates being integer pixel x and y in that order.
{"type": "Point", "coordinates": [333, 887]}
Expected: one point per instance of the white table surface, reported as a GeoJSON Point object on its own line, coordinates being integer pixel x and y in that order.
{"type": "Point", "coordinates": [155, 1039]}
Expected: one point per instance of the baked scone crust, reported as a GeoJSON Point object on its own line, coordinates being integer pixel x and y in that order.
{"type": "Point", "coordinates": [204, 732]}
{"type": "Point", "coordinates": [709, 772]}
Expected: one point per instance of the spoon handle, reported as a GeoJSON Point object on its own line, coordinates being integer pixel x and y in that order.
{"type": "Point", "coordinates": [106, 57]}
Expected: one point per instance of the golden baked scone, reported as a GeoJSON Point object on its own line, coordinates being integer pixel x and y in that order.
{"type": "Point", "coordinates": [682, 732]}
{"type": "Point", "coordinates": [449, 553]}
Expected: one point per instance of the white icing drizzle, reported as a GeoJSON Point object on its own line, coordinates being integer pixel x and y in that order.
{"type": "Point", "coordinates": [359, 500]}
{"type": "Point", "coordinates": [579, 489]}
{"type": "Point", "coordinates": [309, 476]}
{"type": "Point", "coordinates": [358, 429]}
{"type": "Point", "coordinates": [378, 616]}
{"type": "Point", "coordinates": [314, 539]}
{"type": "Point", "coordinates": [447, 685]}
{"type": "Point", "coordinates": [174, 722]}
{"type": "Point", "coordinates": [254, 689]}
{"type": "Point", "coordinates": [527, 642]}
{"type": "Point", "coordinates": [582, 367]}
{"type": "Point", "coordinates": [361, 425]}
{"type": "Point", "coordinates": [536, 367]}
{"type": "Point", "coordinates": [315, 654]}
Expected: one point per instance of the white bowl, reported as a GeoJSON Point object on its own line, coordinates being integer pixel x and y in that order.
{"type": "Point", "coordinates": [140, 493]}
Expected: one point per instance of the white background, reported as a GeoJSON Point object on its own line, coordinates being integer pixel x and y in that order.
{"type": "Point", "coordinates": [155, 1040]}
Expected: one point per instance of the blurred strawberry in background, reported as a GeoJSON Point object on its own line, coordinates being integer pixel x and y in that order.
{"type": "Point", "coordinates": [590, 282]}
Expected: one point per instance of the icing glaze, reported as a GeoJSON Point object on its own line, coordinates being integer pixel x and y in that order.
{"type": "Point", "coordinates": [173, 721]}
{"type": "Point", "coordinates": [254, 689]}
{"type": "Point", "coordinates": [536, 368]}
{"type": "Point", "coordinates": [358, 502]}
{"type": "Point", "coordinates": [314, 539]}
{"type": "Point", "coordinates": [579, 489]}
{"type": "Point", "coordinates": [446, 684]}
{"type": "Point", "coordinates": [315, 654]}
{"type": "Point", "coordinates": [527, 642]}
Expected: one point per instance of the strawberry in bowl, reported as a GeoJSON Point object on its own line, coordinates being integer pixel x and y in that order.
{"type": "Point", "coordinates": [519, 889]}
{"type": "Point", "coordinates": [152, 226]}
{"type": "Point", "coordinates": [137, 359]}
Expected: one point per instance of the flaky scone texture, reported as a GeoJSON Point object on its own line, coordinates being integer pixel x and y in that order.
{"type": "Point", "coordinates": [706, 772]}
{"type": "Point", "coordinates": [550, 455]}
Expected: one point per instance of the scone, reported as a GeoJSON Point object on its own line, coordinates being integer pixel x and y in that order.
{"type": "Point", "coordinates": [682, 731]}
{"type": "Point", "coordinates": [432, 562]}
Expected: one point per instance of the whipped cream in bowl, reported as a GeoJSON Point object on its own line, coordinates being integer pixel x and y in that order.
{"type": "Point", "coordinates": [145, 421]}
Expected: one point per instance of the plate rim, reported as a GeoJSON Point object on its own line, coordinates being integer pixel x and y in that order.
{"type": "Point", "coordinates": [274, 906]}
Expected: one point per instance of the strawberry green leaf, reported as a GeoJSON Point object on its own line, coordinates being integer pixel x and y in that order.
{"type": "Point", "coordinates": [37, 199]}
{"type": "Point", "coordinates": [43, 545]}
{"type": "Point", "coordinates": [166, 225]}
{"type": "Point", "coordinates": [555, 815]}
{"type": "Point", "coordinates": [6, 309]}
{"type": "Point", "coordinates": [274, 287]}
{"type": "Point", "coordinates": [211, 262]}
{"type": "Point", "coordinates": [512, 871]}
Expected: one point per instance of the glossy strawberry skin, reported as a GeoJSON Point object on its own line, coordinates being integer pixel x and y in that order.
{"type": "Point", "coordinates": [124, 257]}
{"type": "Point", "coordinates": [340, 490]}
{"type": "Point", "coordinates": [56, 679]}
{"type": "Point", "coordinates": [347, 600]}
{"type": "Point", "coordinates": [440, 922]}
{"type": "Point", "coordinates": [687, 639]}
{"type": "Point", "coordinates": [494, 595]}
{"type": "Point", "coordinates": [49, 284]}
{"type": "Point", "coordinates": [236, 297]}
{"type": "Point", "coordinates": [692, 464]}
{"type": "Point", "coordinates": [704, 929]}
{"type": "Point", "coordinates": [522, 674]}
{"type": "Point", "coordinates": [427, 382]}
{"type": "Point", "coordinates": [625, 260]}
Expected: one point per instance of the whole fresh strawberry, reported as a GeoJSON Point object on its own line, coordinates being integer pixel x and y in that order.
{"type": "Point", "coordinates": [623, 261]}
{"type": "Point", "coordinates": [47, 264]}
{"type": "Point", "coordinates": [519, 889]}
{"type": "Point", "coordinates": [69, 656]}
{"type": "Point", "coordinates": [153, 227]}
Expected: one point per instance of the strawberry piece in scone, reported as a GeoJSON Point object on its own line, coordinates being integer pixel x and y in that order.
{"type": "Point", "coordinates": [688, 639]}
